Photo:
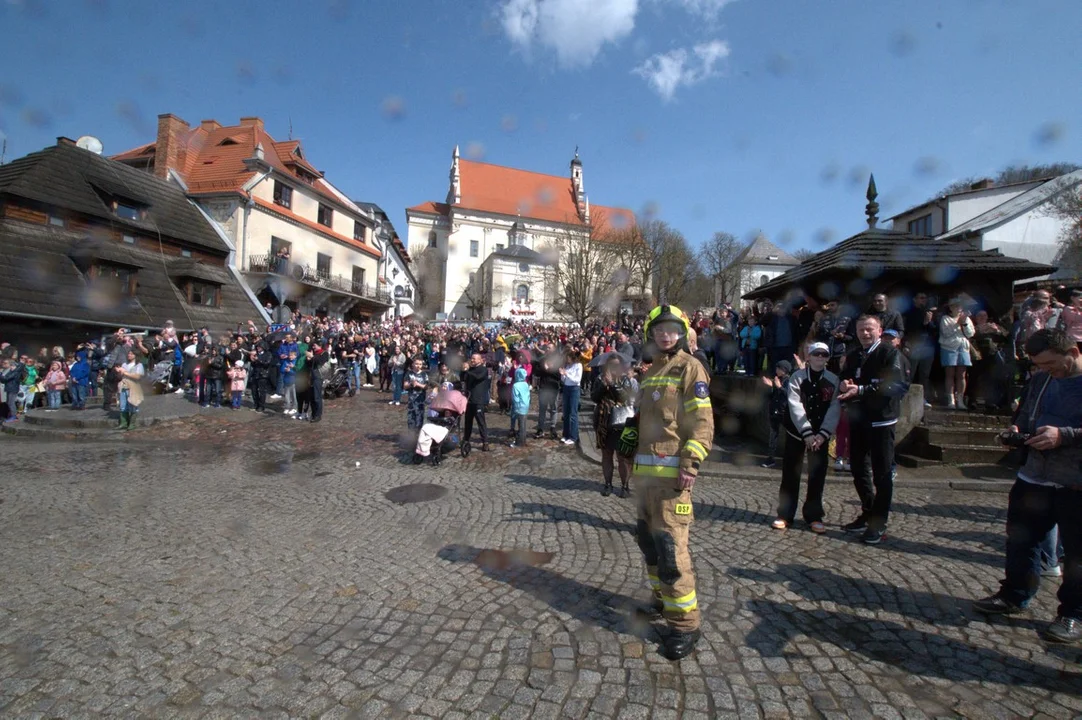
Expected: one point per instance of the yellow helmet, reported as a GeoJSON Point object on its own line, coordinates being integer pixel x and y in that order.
{"type": "Point", "coordinates": [665, 313]}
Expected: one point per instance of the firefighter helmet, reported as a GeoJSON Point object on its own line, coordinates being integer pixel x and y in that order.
{"type": "Point", "coordinates": [666, 313]}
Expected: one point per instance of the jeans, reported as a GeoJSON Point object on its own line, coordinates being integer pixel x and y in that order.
{"type": "Point", "coordinates": [518, 429]}
{"type": "Point", "coordinates": [396, 384]}
{"type": "Point", "coordinates": [123, 401]}
{"type": "Point", "coordinates": [316, 397]}
{"type": "Point", "coordinates": [546, 409]}
{"type": "Point", "coordinates": [355, 376]}
{"type": "Point", "coordinates": [213, 388]}
{"type": "Point", "coordinates": [280, 384]}
{"type": "Point", "coordinates": [1032, 512]}
{"type": "Point", "coordinates": [236, 396]}
{"type": "Point", "coordinates": [571, 411]}
{"type": "Point", "coordinates": [871, 453]}
{"type": "Point", "coordinates": [289, 393]}
{"type": "Point", "coordinates": [78, 396]}
{"type": "Point", "coordinates": [1051, 549]}
{"type": "Point", "coordinates": [751, 361]}
{"type": "Point", "coordinates": [54, 399]}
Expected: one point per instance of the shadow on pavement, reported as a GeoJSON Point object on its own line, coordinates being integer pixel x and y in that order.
{"type": "Point", "coordinates": [600, 608]}
{"type": "Point", "coordinates": [557, 483]}
{"type": "Point", "coordinates": [987, 538]}
{"type": "Point", "coordinates": [559, 513]}
{"type": "Point", "coordinates": [976, 513]}
{"type": "Point", "coordinates": [895, 645]}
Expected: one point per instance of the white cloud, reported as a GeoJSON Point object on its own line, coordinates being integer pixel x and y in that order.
{"type": "Point", "coordinates": [708, 9]}
{"type": "Point", "coordinates": [666, 72]}
{"type": "Point", "coordinates": [575, 30]}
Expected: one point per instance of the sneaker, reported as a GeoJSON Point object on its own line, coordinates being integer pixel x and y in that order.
{"type": "Point", "coordinates": [768, 464]}
{"type": "Point", "coordinates": [857, 526]}
{"type": "Point", "coordinates": [839, 465]}
{"type": "Point", "coordinates": [398, 404]}
{"type": "Point", "coordinates": [568, 441]}
{"type": "Point", "coordinates": [996, 605]}
{"type": "Point", "coordinates": [512, 445]}
{"type": "Point", "coordinates": [390, 402]}
{"type": "Point", "coordinates": [276, 396]}
{"type": "Point", "coordinates": [1052, 572]}
{"type": "Point", "coordinates": [818, 527]}
{"type": "Point", "coordinates": [872, 536]}
{"type": "Point", "coordinates": [179, 392]}
{"type": "Point", "coordinates": [779, 524]}
{"type": "Point", "coordinates": [1064, 630]}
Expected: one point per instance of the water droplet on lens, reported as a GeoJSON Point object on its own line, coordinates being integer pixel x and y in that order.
{"type": "Point", "coordinates": [393, 108]}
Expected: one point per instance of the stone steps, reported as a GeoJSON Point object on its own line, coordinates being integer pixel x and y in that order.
{"type": "Point", "coordinates": [938, 435]}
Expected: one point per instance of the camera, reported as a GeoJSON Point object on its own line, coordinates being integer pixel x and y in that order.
{"type": "Point", "coordinates": [1014, 439]}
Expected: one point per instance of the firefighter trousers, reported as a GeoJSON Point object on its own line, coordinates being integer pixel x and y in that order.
{"type": "Point", "coordinates": [664, 515]}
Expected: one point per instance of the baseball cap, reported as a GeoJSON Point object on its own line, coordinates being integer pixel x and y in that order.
{"type": "Point", "coordinates": [891, 333]}
{"type": "Point", "coordinates": [818, 347]}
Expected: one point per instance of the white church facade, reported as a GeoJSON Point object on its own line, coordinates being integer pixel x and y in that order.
{"type": "Point", "coordinates": [497, 235]}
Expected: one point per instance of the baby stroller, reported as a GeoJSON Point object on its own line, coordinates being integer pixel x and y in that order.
{"type": "Point", "coordinates": [337, 384]}
{"type": "Point", "coordinates": [441, 433]}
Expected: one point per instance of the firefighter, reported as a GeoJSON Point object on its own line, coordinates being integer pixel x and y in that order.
{"type": "Point", "coordinates": [669, 439]}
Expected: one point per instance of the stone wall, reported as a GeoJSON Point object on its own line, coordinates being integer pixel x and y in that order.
{"type": "Point", "coordinates": [740, 408]}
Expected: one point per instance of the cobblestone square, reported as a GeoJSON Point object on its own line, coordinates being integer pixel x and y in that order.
{"type": "Point", "coordinates": [212, 568]}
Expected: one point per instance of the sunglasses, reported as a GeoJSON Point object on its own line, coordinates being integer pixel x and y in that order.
{"type": "Point", "coordinates": [820, 354]}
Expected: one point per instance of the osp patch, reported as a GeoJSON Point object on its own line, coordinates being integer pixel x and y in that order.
{"type": "Point", "coordinates": [702, 390]}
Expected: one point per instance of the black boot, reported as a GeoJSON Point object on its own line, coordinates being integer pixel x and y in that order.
{"type": "Point", "coordinates": [680, 644]}
{"type": "Point", "coordinates": [625, 491]}
{"type": "Point", "coordinates": [606, 490]}
{"type": "Point", "coordinates": [418, 458]}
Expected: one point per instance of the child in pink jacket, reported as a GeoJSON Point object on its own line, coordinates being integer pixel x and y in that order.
{"type": "Point", "coordinates": [56, 381]}
{"type": "Point", "coordinates": [238, 377]}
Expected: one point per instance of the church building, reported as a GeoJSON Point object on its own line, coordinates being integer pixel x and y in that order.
{"type": "Point", "coordinates": [498, 236]}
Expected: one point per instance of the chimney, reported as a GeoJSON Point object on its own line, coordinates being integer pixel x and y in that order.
{"type": "Point", "coordinates": [170, 144]}
{"type": "Point", "coordinates": [251, 122]}
{"type": "Point", "coordinates": [210, 125]}
{"type": "Point", "coordinates": [983, 184]}
{"type": "Point", "coordinates": [61, 140]}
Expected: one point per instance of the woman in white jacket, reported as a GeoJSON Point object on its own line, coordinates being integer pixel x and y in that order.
{"type": "Point", "coordinates": [955, 329]}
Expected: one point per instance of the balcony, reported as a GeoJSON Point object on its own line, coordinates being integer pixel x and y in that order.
{"type": "Point", "coordinates": [308, 275]}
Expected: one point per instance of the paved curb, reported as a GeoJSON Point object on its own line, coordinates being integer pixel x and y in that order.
{"type": "Point", "coordinates": [588, 449]}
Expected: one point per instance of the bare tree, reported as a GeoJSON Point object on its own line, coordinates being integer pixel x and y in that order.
{"type": "Point", "coordinates": [803, 254]}
{"type": "Point", "coordinates": [675, 265]}
{"type": "Point", "coordinates": [1067, 206]}
{"type": "Point", "coordinates": [428, 268]}
{"type": "Point", "coordinates": [578, 273]}
{"type": "Point", "coordinates": [716, 258]}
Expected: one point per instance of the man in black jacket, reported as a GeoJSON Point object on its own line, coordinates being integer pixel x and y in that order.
{"type": "Point", "coordinates": [546, 369]}
{"type": "Point", "coordinates": [920, 342]}
{"type": "Point", "coordinates": [478, 382]}
{"type": "Point", "coordinates": [317, 356]}
{"type": "Point", "coordinates": [872, 385]}
{"type": "Point", "coordinates": [260, 359]}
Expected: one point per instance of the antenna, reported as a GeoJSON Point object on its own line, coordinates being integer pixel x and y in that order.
{"type": "Point", "coordinates": [290, 128]}
{"type": "Point", "coordinates": [3, 150]}
{"type": "Point", "coordinates": [91, 143]}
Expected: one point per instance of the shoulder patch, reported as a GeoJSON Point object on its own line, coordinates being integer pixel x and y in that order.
{"type": "Point", "coordinates": [702, 390]}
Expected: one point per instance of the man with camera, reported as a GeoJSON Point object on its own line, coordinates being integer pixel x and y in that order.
{"type": "Point", "coordinates": [1048, 491]}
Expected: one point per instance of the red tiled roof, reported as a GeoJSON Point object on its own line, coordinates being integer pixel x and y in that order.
{"type": "Point", "coordinates": [136, 152]}
{"type": "Point", "coordinates": [431, 207]}
{"type": "Point", "coordinates": [510, 191]}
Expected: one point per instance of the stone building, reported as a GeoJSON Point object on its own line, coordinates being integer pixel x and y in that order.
{"type": "Point", "coordinates": [490, 209]}
{"type": "Point", "coordinates": [759, 263]}
{"type": "Point", "coordinates": [271, 201]}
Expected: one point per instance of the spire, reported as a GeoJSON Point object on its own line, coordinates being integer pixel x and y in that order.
{"type": "Point", "coordinates": [454, 192]}
{"type": "Point", "coordinates": [578, 188]}
{"type": "Point", "coordinates": [872, 208]}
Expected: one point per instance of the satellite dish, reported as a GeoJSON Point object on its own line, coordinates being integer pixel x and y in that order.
{"type": "Point", "coordinates": [91, 143]}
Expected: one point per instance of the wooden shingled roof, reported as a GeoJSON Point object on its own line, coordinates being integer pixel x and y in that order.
{"type": "Point", "coordinates": [878, 255]}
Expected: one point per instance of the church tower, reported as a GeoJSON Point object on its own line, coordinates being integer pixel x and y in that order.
{"type": "Point", "coordinates": [581, 202]}
{"type": "Point", "coordinates": [454, 192]}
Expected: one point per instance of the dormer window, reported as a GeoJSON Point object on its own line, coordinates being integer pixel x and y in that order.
{"type": "Point", "coordinates": [114, 276]}
{"type": "Point", "coordinates": [127, 210]}
{"type": "Point", "coordinates": [771, 257]}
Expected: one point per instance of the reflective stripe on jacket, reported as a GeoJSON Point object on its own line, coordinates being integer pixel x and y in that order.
{"type": "Point", "coordinates": [676, 420]}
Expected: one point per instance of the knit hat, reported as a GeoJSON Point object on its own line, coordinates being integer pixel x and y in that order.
{"type": "Point", "coordinates": [784, 365]}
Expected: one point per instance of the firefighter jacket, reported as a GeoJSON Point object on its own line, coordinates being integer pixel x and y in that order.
{"type": "Point", "coordinates": [676, 422]}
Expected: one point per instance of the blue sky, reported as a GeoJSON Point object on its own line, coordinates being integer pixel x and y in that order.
{"type": "Point", "coordinates": [738, 115]}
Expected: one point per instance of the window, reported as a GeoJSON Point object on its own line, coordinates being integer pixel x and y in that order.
{"type": "Point", "coordinates": [524, 267]}
{"type": "Point", "coordinates": [323, 265]}
{"type": "Point", "coordinates": [522, 293]}
{"type": "Point", "coordinates": [499, 246]}
{"type": "Point", "coordinates": [763, 279]}
{"type": "Point", "coordinates": [474, 248]}
{"type": "Point", "coordinates": [283, 194]}
{"type": "Point", "coordinates": [325, 216]}
{"type": "Point", "coordinates": [185, 253]}
{"type": "Point", "coordinates": [201, 293]}
{"type": "Point", "coordinates": [126, 210]}
{"type": "Point", "coordinates": [54, 220]}
{"type": "Point", "coordinates": [358, 230]}
{"type": "Point", "coordinates": [432, 239]}
{"type": "Point", "coordinates": [128, 239]}
{"type": "Point", "coordinates": [280, 244]}
{"type": "Point", "coordinates": [921, 226]}
{"type": "Point", "coordinates": [118, 276]}
{"type": "Point", "coordinates": [358, 280]}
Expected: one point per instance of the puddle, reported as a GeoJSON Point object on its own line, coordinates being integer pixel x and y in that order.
{"type": "Point", "coordinates": [306, 456]}
{"type": "Point", "coordinates": [415, 493]}
{"type": "Point", "coordinates": [511, 559]}
{"type": "Point", "coordinates": [273, 466]}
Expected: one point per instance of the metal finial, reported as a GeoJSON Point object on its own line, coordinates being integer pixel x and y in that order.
{"type": "Point", "coordinates": [872, 208]}
{"type": "Point", "coordinates": [576, 151]}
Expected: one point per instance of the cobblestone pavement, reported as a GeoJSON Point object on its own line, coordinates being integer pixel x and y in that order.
{"type": "Point", "coordinates": [210, 568]}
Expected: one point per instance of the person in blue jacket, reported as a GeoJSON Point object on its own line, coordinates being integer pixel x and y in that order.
{"type": "Point", "coordinates": [520, 406]}
{"type": "Point", "coordinates": [80, 381]}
